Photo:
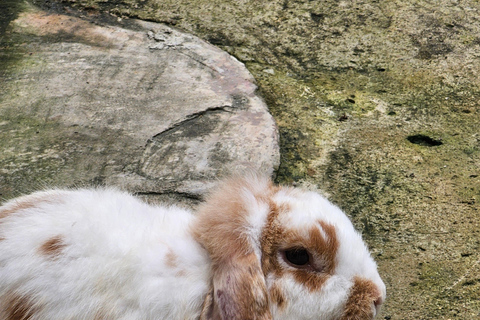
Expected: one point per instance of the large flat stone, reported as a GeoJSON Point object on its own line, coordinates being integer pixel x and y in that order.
{"type": "Point", "coordinates": [147, 108]}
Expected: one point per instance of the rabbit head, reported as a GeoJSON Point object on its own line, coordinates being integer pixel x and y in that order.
{"type": "Point", "coordinates": [284, 253]}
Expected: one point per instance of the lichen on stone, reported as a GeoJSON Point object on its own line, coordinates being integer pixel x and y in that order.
{"type": "Point", "coordinates": [348, 83]}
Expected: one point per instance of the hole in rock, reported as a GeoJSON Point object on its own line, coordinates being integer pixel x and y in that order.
{"type": "Point", "coordinates": [424, 140]}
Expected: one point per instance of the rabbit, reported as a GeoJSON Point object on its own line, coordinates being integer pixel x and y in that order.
{"type": "Point", "coordinates": [252, 250]}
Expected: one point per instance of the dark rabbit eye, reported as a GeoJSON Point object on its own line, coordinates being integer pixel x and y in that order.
{"type": "Point", "coordinates": [297, 256]}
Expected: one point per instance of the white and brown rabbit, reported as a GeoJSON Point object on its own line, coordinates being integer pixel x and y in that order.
{"type": "Point", "coordinates": [253, 251]}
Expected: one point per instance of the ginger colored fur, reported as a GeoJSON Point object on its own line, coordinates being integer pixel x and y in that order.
{"type": "Point", "coordinates": [102, 254]}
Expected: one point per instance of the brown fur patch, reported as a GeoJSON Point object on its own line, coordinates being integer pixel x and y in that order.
{"type": "Point", "coordinates": [361, 300]}
{"type": "Point", "coordinates": [27, 202]}
{"type": "Point", "coordinates": [171, 259]}
{"type": "Point", "coordinates": [21, 205]}
{"type": "Point", "coordinates": [323, 249]}
{"type": "Point", "coordinates": [181, 273]}
{"type": "Point", "coordinates": [271, 233]}
{"type": "Point", "coordinates": [223, 229]}
{"type": "Point", "coordinates": [240, 290]}
{"type": "Point", "coordinates": [208, 306]}
{"type": "Point", "coordinates": [277, 296]}
{"type": "Point", "coordinates": [102, 315]}
{"type": "Point", "coordinates": [223, 219]}
{"type": "Point", "coordinates": [52, 247]}
{"type": "Point", "coordinates": [19, 308]}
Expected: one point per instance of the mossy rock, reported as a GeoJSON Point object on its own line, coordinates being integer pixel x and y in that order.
{"type": "Point", "coordinates": [377, 105]}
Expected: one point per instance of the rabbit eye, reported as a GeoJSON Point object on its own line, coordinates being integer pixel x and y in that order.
{"type": "Point", "coordinates": [297, 256]}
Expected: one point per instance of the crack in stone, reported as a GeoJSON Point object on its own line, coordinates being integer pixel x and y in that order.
{"type": "Point", "coordinates": [192, 117]}
{"type": "Point", "coordinates": [186, 195]}
{"type": "Point", "coordinates": [216, 70]}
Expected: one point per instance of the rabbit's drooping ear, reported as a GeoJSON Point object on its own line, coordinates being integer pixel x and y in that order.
{"type": "Point", "coordinates": [229, 226]}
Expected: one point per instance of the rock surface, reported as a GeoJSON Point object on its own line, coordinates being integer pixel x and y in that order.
{"type": "Point", "coordinates": [377, 104]}
{"type": "Point", "coordinates": [146, 108]}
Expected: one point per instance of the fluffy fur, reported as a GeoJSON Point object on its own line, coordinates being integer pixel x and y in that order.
{"type": "Point", "coordinates": [103, 254]}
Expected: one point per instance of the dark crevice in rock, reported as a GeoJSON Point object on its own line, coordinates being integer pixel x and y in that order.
{"type": "Point", "coordinates": [424, 140]}
{"type": "Point", "coordinates": [170, 193]}
{"type": "Point", "coordinates": [193, 116]}
{"type": "Point", "coordinates": [197, 59]}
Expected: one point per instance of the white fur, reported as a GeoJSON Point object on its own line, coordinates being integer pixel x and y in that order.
{"type": "Point", "coordinates": [123, 259]}
{"type": "Point", "coordinates": [257, 216]}
{"type": "Point", "coordinates": [114, 259]}
{"type": "Point", "coordinates": [326, 304]}
{"type": "Point", "coordinates": [352, 260]}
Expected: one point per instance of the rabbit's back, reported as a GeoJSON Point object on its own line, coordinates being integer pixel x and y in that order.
{"type": "Point", "coordinates": [98, 254]}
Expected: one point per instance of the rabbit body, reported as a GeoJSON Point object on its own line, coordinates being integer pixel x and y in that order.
{"type": "Point", "coordinates": [252, 251]}
{"type": "Point", "coordinates": [98, 254]}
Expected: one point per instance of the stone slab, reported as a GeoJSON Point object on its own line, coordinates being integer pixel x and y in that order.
{"type": "Point", "coordinates": [147, 108]}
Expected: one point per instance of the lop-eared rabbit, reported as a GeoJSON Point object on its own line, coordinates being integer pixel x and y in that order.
{"type": "Point", "coordinates": [252, 251]}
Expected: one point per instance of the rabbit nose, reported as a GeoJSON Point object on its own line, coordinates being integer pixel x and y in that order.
{"type": "Point", "coordinates": [364, 300]}
{"type": "Point", "coordinates": [376, 305]}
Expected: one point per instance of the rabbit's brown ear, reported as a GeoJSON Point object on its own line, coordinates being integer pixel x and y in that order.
{"type": "Point", "coordinates": [229, 226]}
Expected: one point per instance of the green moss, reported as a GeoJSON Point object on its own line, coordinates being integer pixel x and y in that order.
{"type": "Point", "coordinates": [9, 10]}
{"type": "Point", "coordinates": [38, 153]}
{"type": "Point", "coordinates": [435, 281]}
{"type": "Point", "coordinates": [349, 83]}
{"type": "Point", "coordinates": [11, 54]}
{"type": "Point", "coordinates": [30, 154]}
{"type": "Point", "coordinates": [15, 48]}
